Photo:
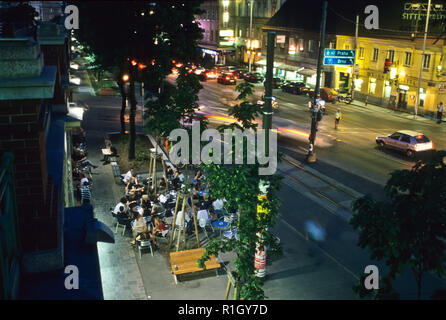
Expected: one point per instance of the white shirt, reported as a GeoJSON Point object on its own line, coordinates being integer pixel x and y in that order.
{"type": "Point", "coordinates": [181, 177]}
{"type": "Point", "coordinates": [218, 204]}
{"type": "Point", "coordinates": [116, 209]}
{"type": "Point", "coordinates": [440, 108]}
{"type": "Point", "coordinates": [127, 176]}
{"type": "Point", "coordinates": [83, 180]}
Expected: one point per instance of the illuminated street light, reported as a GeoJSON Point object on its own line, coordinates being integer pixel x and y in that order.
{"type": "Point", "coordinates": [134, 63]}
{"type": "Point", "coordinates": [125, 77]}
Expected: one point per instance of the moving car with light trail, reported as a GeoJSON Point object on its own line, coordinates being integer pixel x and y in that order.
{"type": "Point", "coordinates": [410, 142]}
{"type": "Point", "coordinates": [227, 78]}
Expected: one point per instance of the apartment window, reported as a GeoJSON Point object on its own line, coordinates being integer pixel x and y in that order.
{"type": "Point", "coordinates": [408, 59]}
{"type": "Point", "coordinates": [310, 45]}
{"type": "Point", "coordinates": [375, 54]}
{"type": "Point", "coordinates": [301, 44]}
{"type": "Point", "coordinates": [346, 46]}
{"type": "Point", "coordinates": [332, 45]}
{"type": "Point", "coordinates": [361, 53]}
{"type": "Point", "coordinates": [426, 61]}
{"type": "Point", "coordinates": [390, 55]}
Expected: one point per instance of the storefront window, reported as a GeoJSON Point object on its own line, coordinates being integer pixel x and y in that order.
{"type": "Point", "coordinates": [387, 90]}
{"type": "Point", "coordinates": [358, 84]}
{"type": "Point", "coordinates": [422, 97]}
{"type": "Point", "coordinates": [372, 86]}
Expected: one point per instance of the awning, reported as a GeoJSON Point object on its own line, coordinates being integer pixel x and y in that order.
{"type": "Point", "coordinates": [307, 72]}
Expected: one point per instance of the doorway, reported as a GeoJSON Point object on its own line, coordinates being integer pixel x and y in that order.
{"type": "Point", "coordinates": [343, 82]}
{"type": "Point", "coordinates": [402, 99]}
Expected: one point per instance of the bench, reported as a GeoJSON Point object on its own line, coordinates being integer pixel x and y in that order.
{"type": "Point", "coordinates": [116, 172]}
{"type": "Point", "coordinates": [186, 262]}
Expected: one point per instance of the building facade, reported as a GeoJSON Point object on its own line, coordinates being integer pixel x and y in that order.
{"type": "Point", "coordinates": [262, 11]}
{"type": "Point", "coordinates": [397, 86]}
{"type": "Point", "coordinates": [209, 22]}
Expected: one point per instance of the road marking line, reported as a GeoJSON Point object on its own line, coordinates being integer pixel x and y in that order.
{"type": "Point", "coordinates": [323, 251]}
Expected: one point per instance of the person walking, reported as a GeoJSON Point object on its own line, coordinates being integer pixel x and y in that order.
{"type": "Point", "coordinates": [440, 110]}
{"type": "Point", "coordinates": [338, 117]}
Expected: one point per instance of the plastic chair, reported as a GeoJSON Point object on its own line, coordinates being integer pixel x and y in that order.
{"type": "Point", "coordinates": [144, 244]}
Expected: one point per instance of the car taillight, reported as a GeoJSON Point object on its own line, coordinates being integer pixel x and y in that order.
{"type": "Point", "coordinates": [235, 78]}
{"type": "Point", "coordinates": [227, 78]}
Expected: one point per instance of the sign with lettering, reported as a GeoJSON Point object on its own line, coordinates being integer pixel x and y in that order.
{"type": "Point", "coordinates": [280, 39]}
{"type": "Point", "coordinates": [339, 61]}
{"type": "Point", "coordinates": [339, 53]}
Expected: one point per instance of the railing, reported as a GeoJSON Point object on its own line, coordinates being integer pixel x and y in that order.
{"type": "Point", "coordinates": [9, 231]}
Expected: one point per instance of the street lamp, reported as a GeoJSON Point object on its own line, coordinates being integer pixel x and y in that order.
{"type": "Point", "coordinates": [250, 33]}
{"type": "Point", "coordinates": [125, 77]}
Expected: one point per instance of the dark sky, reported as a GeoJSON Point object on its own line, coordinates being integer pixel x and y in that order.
{"type": "Point", "coordinates": [307, 15]}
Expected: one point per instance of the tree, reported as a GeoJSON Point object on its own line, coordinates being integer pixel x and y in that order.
{"type": "Point", "coordinates": [239, 185]}
{"type": "Point", "coordinates": [145, 32]}
{"type": "Point", "coordinates": [17, 15]}
{"type": "Point", "coordinates": [409, 228]}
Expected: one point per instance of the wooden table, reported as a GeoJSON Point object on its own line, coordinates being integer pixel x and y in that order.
{"type": "Point", "coordinates": [185, 261]}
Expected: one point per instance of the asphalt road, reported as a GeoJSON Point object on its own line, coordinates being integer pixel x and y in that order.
{"type": "Point", "coordinates": [310, 270]}
{"type": "Point", "coordinates": [351, 148]}
{"type": "Point", "coordinates": [328, 270]}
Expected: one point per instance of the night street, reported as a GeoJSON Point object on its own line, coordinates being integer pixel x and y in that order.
{"type": "Point", "coordinates": [112, 186]}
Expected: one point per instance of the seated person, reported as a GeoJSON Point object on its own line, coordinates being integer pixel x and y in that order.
{"type": "Point", "coordinates": [206, 203]}
{"type": "Point", "coordinates": [123, 217]}
{"type": "Point", "coordinates": [122, 202]}
{"type": "Point", "coordinates": [162, 183]}
{"type": "Point", "coordinates": [81, 158]}
{"type": "Point", "coordinates": [158, 226]}
{"type": "Point", "coordinates": [157, 207]}
{"type": "Point", "coordinates": [133, 185]}
{"type": "Point", "coordinates": [132, 200]}
{"type": "Point", "coordinates": [169, 172]}
{"type": "Point", "coordinates": [140, 230]}
{"type": "Point", "coordinates": [176, 180]}
{"type": "Point", "coordinates": [113, 151]}
{"type": "Point", "coordinates": [198, 177]}
{"type": "Point", "coordinates": [145, 205]}
{"type": "Point", "coordinates": [127, 176]}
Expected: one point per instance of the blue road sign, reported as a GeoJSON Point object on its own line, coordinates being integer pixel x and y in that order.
{"type": "Point", "coordinates": [339, 61]}
{"type": "Point", "coordinates": [339, 53]}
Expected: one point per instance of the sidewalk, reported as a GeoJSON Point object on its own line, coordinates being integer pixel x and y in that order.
{"type": "Point", "coordinates": [401, 114]}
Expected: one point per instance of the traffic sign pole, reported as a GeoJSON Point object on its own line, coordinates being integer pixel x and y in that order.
{"type": "Point", "coordinates": [311, 156]}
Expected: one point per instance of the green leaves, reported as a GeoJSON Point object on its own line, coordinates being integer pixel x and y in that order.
{"type": "Point", "coordinates": [408, 229]}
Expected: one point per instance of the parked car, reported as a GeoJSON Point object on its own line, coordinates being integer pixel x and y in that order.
{"type": "Point", "coordinates": [409, 142]}
{"type": "Point", "coordinates": [294, 87]}
{"type": "Point", "coordinates": [253, 77]}
{"type": "Point", "coordinates": [227, 78]}
{"type": "Point", "coordinates": [327, 94]}
{"type": "Point", "coordinates": [239, 73]}
{"type": "Point", "coordinates": [277, 82]}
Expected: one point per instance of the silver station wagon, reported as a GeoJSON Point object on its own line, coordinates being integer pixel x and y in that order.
{"type": "Point", "coordinates": [410, 142]}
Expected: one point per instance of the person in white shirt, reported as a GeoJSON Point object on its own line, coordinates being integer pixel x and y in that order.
{"type": "Point", "coordinates": [123, 202]}
{"type": "Point", "coordinates": [128, 175]}
{"type": "Point", "coordinates": [440, 110]}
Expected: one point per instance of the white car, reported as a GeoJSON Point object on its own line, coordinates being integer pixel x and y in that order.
{"type": "Point", "coordinates": [410, 142]}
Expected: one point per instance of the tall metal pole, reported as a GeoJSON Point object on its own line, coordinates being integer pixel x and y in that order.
{"type": "Point", "coordinates": [422, 56]}
{"type": "Point", "coordinates": [268, 111]}
{"type": "Point", "coordinates": [354, 76]}
{"type": "Point", "coordinates": [311, 156]}
{"type": "Point", "coordinates": [250, 34]}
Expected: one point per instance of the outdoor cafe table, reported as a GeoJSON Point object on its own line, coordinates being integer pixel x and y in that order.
{"type": "Point", "coordinates": [220, 225]}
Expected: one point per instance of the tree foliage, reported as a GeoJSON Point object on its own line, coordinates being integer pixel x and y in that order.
{"type": "Point", "coordinates": [408, 229]}
{"type": "Point", "coordinates": [151, 33]}
{"type": "Point", "coordinates": [239, 185]}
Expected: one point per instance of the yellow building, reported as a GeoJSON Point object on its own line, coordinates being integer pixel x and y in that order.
{"type": "Point", "coordinates": [396, 88]}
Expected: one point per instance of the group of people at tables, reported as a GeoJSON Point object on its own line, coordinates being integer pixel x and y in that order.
{"type": "Point", "coordinates": [144, 211]}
